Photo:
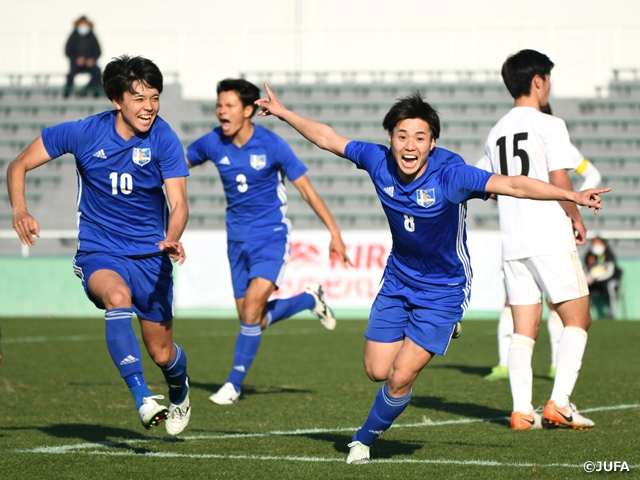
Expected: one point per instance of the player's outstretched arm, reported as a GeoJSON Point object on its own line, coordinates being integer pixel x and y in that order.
{"type": "Point", "coordinates": [525, 187]}
{"type": "Point", "coordinates": [177, 196]}
{"type": "Point", "coordinates": [320, 208]}
{"type": "Point", "coordinates": [322, 135]}
{"type": "Point", "coordinates": [32, 157]}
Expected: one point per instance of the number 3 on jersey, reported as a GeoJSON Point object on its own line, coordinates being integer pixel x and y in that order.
{"type": "Point", "coordinates": [517, 152]}
{"type": "Point", "coordinates": [243, 186]}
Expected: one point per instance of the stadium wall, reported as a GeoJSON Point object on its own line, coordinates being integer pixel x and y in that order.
{"type": "Point", "coordinates": [207, 41]}
{"type": "Point", "coordinates": [47, 287]}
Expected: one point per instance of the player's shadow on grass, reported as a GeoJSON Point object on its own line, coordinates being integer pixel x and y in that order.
{"type": "Point", "coordinates": [248, 390]}
{"type": "Point", "coordinates": [488, 414]}
{"type": "Point", "coordinates": [466, 369]}
{"type": "Point", "coordinates": [384, 448]}
{"type": "Point", "coordinates": [478, 371]}
{"type": "Point", "coordinates": [98, 435]}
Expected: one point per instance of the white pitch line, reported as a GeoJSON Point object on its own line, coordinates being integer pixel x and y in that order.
{"type": "Point", "coordinates": [7, 386]}
{"type": "Point", "coordinates": [214, 456]}
{"type": "Point", "coordinates": [62, 449]}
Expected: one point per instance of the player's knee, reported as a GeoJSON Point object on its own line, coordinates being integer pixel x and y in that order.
{"type": "Point", "coordinates": [251, 314]}
{"type": "Point", "coordinates": [116, 298]}
{"type": "Point", "coordinates": [376, 373]}
{"type": "Point", "coordinates": [400, 380]}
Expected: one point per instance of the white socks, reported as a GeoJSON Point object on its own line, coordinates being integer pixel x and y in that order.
{"type": "Point", "coordinates": [555, 327]}
{"type": "Point", "coordinates": [569, 357]}
{"type": "Point", "coordinates": [505, 331]}
{"type": "Point", "coordinates": [520, 372]}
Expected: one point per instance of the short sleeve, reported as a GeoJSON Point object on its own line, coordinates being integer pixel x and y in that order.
{"type": "Point", "coordinates": [62, 138]}
{"type": "Point", "coordinates": [461, 182]}
{"type": "Point", "coordinates": [365, 155]}
{"type": "Point", "coordinates": [197, 152]}
{"type": "Point", "coordinates": [172, 162]}
{"type": "Point", "coordinates": [291, 165]}
{"type": "Point", "coordinates": [558, 146]}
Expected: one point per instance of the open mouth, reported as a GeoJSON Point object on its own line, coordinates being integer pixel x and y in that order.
{"type": "Point", "coordinates": [146, 119]}
{"type": "Point", "coordinates": [409, 160]}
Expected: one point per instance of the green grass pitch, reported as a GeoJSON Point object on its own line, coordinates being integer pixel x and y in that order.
{"type": "Point", "coordinates": [65, 413]}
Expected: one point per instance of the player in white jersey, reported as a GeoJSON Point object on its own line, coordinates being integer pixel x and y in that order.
{"type": "Point", "coordinates": [590, 179]}
{"type": "Point", "coordinates": [539, 241]}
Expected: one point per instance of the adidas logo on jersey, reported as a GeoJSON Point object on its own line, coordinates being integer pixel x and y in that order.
{"type": "Point", "coordinates": [225, 161]}
{"type": "Point", "coordinates": [100, 154]}
{"type": "Point", "coordinates": [240, 368]}
{"type": "Point", "coordinates": [128, 360]}
{"type": "Point", "coordinates": [388, 191]}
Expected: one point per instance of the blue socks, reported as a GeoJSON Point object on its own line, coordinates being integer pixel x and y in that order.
{"type": "Point", "coordinates": [384, 411]}
{"type": "Point", "coordinates": [125, 351]}
{"type": "Point", "coordinates": [246, 349]}
{"type": "Point", "coordinates": [287, 307]}
{"type": "Point", "coordinates": [175, 375]}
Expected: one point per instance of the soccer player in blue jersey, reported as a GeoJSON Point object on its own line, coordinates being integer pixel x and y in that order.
{"type": "Point", "coordinates": [127, 236]}
{"type": "Point", "coordinates": [426, 286]}
{"type": "Point", "coordinates": [253, 162]}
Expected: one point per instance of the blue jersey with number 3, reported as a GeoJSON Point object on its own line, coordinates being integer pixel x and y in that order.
{"type": "Point", "coordinates": [122, 207]}
{"type": "Point", "coordinates": [427, 216]}
{"type": "Point", "coordinates": [253, 180]}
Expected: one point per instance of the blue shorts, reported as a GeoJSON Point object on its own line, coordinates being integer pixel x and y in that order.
{"type": "Point", "coordinates": [262, 257]}
{"type": "Point", "coordinates": [425, 314]}
{"type": "Point", "coordinates": [149, 279]}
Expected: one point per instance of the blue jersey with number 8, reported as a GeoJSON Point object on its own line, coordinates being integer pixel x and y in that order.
{"type": "Point", "coordinates": [122, 208]}
{"type": "Point", "coordinates": [426, 216]}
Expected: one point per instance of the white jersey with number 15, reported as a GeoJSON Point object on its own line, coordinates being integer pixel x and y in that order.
{"type": "Point", "coordinates": [528, 142]}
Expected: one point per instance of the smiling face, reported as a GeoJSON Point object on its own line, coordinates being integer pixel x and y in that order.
{"type": "Point", "coordinates": [234, 117]}
{"type": "Point", "coordinates": [136, 112]}
{"type": "Point", "coordinates": [411, 143]}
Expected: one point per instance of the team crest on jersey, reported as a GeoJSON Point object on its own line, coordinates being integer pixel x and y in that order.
{"type": "Point", "coordinates": [258, 161]}
{"type": "Point", "coordinates": [141, 156]}
{"type": "Point", "coordinates": [426, 198]}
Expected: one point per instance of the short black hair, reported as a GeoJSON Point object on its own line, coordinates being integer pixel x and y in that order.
{"type": "Point", "coordinates": [247, 91]}
{"type": "Point", "coordinates": [519, 69]}
{"type": "Point", "coordinates": [122, 72]}
{"type": "Point", "coordinates": [412, 106]}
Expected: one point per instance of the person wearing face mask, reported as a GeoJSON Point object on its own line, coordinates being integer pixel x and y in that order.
{"type": "Point", "coordinates": [83, 51]}
{"type": "Point", "coordinates": [603, 275]}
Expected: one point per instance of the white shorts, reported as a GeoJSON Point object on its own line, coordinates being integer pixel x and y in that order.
{"type": "Point", "coordinates": [559, 276]}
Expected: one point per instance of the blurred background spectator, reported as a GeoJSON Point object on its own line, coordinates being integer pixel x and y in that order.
{"type": "Point", "coordinates": [603, 276]}
{"type": "Point", "coordinates": [83, 51]}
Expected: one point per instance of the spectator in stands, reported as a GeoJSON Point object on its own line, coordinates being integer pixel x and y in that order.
{"type": "Point", "coordinates": [83, 51]}
{"type": "Point", "coordinates": [603, 274]}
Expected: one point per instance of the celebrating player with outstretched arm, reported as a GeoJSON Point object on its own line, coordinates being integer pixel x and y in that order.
{"type": "Point", "coordinates": [126, 238]}
{"type": "Point", "coordinates": [426, 285]}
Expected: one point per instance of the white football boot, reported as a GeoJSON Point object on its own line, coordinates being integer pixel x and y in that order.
{"type": "Point", "coordinates": [227, 395]}
{"type": "Point", "coordinates": [179, 415]}
{"type": "Point", "coordinates": [321, 310]}
{"type": "Point", "coordinates": [151, 412]}
{"type": "Point", "coordinates": [359, 453]}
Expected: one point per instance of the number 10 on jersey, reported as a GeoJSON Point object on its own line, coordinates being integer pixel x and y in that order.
{"type": "Point", "coordinates": [126, 183]}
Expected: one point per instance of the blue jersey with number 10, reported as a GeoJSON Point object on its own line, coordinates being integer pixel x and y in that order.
{"type": "Point", "coordinates": [427, 216]}
{"type": "Point", "coordinates": [122, 208]}
{"type": "Point", "coordinates": [253, 180]}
